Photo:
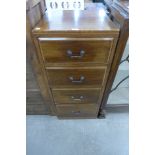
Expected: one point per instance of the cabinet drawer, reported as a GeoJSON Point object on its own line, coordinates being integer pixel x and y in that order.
{"type": "Point", "coordinates": [76, 96]}
{"type": "Point", "coordinates": [77, 110]}
{"type": "Point", "coordinates": [62, 50]}
{"type": "Point", "coordinates": [76, 78]}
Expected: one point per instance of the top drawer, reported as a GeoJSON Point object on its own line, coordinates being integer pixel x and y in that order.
{"type": "Point", "coordinates": [74, 50]}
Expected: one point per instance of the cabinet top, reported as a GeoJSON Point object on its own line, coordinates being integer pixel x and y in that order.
{"type": "Point", "coordinates": [93, 18]}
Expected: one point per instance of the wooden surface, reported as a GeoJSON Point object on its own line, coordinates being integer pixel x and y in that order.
{"type": "Point", "coordinates": [38, 102]}
{"type": "Point", "coordinates": [96, 50]}
{"type": "Point", "coordinates": [38, 99]}
{"type": "Point", "coordinates": [77, 111]}
{"type": "Point", "coordinates": [91, 19]}
{"type": "Point", "coordinates": [35, 103]}
{"type": "Point", "coordinates": [91, 31]}
{"type": "Point", "coordinates": [60, 78]}
{"type": "Point", "coordinates": [123, 4]}
{"type": "Point", "coordinates": [121, 16]}
{"type": "Point", "coordinates": [75, 96]}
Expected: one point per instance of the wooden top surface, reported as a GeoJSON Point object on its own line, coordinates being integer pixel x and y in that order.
{"type": "Point", "coordinates": [93, 18]}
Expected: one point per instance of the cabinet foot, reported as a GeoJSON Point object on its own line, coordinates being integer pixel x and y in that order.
{"type": "Point", "coordinates": [102, 114]}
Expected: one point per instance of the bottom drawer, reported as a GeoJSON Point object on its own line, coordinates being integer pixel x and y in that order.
{"type": "Point", "coordinates": [77, 111]}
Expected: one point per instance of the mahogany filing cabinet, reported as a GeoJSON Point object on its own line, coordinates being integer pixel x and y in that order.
{"type": "Point", "coordinates": [75, 50]}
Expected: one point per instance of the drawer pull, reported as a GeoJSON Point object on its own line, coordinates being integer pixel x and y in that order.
{"type": "Point", "coordinates": [76, 112]}
{"type": "Point", "coordinates": [70, 54]}
{"type": "Point", "coordinates": [77, 99]}
{"type": "Point", "coordinates": [77, 81]}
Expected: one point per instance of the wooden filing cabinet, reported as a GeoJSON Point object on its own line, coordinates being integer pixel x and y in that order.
{"type": "Point", "coordinates": [75, 50]}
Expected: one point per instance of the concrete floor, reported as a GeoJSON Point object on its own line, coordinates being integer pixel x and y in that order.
{"type": "Point", "coordinates": [46, 135]}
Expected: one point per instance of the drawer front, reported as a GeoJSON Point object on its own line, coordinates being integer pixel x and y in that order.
{"type": "Point", "coordinates": [76, 78]}
{"type": "Point", "coordinates": [62, 50]}
{"type": "Point", "coordinates": [76, 96]}
{"type": "Point", "coordinates": [78, 110]}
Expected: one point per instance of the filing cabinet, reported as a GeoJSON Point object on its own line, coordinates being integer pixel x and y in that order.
{"type": "Point", "coordinates": [75, 50]}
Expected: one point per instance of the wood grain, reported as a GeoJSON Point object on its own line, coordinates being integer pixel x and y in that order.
{"type": "Point", "coordinates": [77, 111]}
{"type": "Point", "coordinates": [65, 78]}
{"type": "Point", "coordinates": [122, 17]}
{"type": "Point", "coordinates": [74, 96]}
{"type": "Point", "coordinates": [93, 18]}
{"type": "Point", "coordinates": [33, 15]}
{"type": "Point", "coordinates": [60, 78]}
{"type": "Point", "coordinates": [96, 50]}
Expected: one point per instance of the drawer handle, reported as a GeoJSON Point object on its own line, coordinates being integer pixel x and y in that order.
{"type": "Point", "coordinates": [70, 54]}
{"type": "Point", "coordinates": [77, 81]}
{"type": "Point", "coordinates": [77, 99]}
{"type": "Point", "coordinates": [76, 112]}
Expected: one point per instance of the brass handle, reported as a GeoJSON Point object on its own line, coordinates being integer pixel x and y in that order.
{"type": "Point", "coordinates": [77, 81]}
{"type": "Point", "coordinates": [76, 112]}
{"type": "Point", "coordinates": [77, 99]}
{"type": "Point", "coordinates": [70, 54]}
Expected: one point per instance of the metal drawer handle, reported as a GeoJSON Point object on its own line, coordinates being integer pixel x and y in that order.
{"type": "Point", "coordinates": [77, 81]}
{"type": "Point", "coordinates": [77, 99]}
{"type": "Point", "coordinates": [70, 54]}
{"type": "Point", "coordinates": [76, 112]}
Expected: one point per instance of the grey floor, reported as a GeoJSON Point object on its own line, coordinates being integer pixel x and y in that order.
{"type": "Point", "coordinates": [46, 135]}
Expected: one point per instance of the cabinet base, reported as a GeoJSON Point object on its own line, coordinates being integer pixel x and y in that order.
{"type": "Point", "coordinates": [102, 114]}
